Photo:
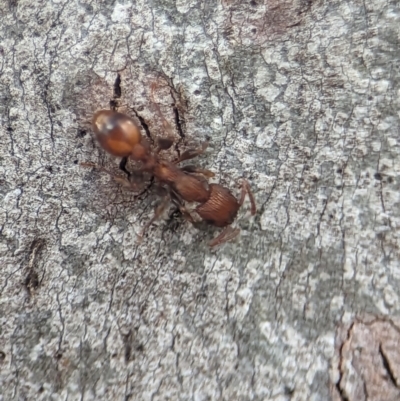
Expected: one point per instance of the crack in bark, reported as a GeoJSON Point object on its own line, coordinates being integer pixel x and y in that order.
{"type": "Point", "coordinates": [143, 124]}
{"type": "Point", "coordinates": [386, 365]}
{"type": "Point", "coordinates": [341, 392]}
{"type": "Point", "coordinates": [177, 116]}
{"type": "Point", "coordinates": [127, 340]}
{"type": "Point", "coordinates": [117, 87]}
{"type": "Point", "coordinates": [32, 281]}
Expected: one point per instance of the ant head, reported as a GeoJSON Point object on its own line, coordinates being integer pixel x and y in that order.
{"type": "Point", "coordinates": [116, 132]}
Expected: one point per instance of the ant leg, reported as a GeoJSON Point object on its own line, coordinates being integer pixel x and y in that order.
{"type": "Point", "coordinates": [121, 180]}
{"type": "Point", "coordinates": [194, 170]}
{"type": "Point", "coordinates": [101, 168]}
{"type": "Point", "coordinates": [176, 199]}
{"type": "Point", "coordinates": [180, 204]}
{"type": "Point", "coordinates": [186, 214]}
{"type": "Point", "coordinates": [227, 234]}
{"type": "Point", "coordinates": [246, 189]}
{"type": "Point", "coordinates": [192, 153]}
{"type": "Point", "coordinates": [122, 166]}
{"type": "Point", "coordinates": [159, 210]}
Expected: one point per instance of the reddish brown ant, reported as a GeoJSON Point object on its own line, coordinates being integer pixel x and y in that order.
{"type": "Point", "coordinates": [119, 135]}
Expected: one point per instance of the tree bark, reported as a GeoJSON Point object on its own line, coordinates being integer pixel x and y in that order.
{"type": "Point", "coordinates": [299, 97]}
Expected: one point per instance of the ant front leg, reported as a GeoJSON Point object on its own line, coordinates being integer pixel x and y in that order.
{"type": "Point", "coordinates": [192, 153]}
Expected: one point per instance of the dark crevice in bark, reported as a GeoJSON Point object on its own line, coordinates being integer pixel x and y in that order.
{"type": "Point", "coordinates": [32, 281]}
{"type": "Point", "coordinates": [127, 339]}
{"type": "Point", "coordinates": [117, 87]}
{"type": "Point", "coordinates": [178, 122]}
{"type": "Point", "coordinates": [342, 395]}
{"type": "Point", "coordinates": [81, 133]}
{"type": "Point", "coordinates": [341, 392]}
{"type": "Point", "coordinates": [117, 93]}
{"type": "Point", "coordinates": [386, 365]}
{"type": "Point", "coordinates": [143, 124]}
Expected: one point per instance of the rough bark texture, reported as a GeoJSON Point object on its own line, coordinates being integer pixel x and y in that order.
{"type": "Point", "coordinates": [366, 366]}
{"type": "Point", "coordinates": [301, 97]}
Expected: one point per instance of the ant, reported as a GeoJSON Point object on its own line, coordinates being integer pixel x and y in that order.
{"type": "Point", "coordinates": [118, 134]}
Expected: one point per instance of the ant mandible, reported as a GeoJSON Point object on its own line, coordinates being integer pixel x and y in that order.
{"type": "Point", "coordinates": [118, 134]}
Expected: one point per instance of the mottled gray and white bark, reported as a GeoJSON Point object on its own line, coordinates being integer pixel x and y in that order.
{"type": "Point", "coordinates": [299, 97]}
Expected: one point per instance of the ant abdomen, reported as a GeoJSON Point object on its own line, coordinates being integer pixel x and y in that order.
{"type": "Point", "coordinates": [221, 207]}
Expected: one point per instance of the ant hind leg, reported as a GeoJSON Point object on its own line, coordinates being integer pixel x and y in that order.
{"type": "Point", "coordinates": [159, 210]}
{"type": "Point", "coordinates": [180, 204]}
{"type": "Point", "coordinates": [191, 169]}
{"type": "Point", "coordinates": [246, 190]}
{"type": "Point", "coordinates": [227, 234]}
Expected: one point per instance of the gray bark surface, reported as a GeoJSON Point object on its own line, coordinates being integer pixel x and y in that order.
{"type": "Point", "coordinates": [299, 97]}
